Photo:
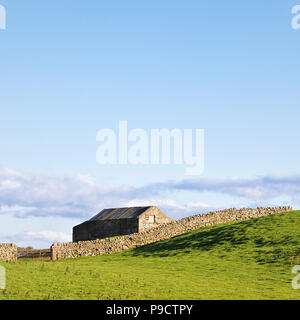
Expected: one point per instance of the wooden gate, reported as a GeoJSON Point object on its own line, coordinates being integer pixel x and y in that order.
{"type": "Point", "coordinates": [33, 253]}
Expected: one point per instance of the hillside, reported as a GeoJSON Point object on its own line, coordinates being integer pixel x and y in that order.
{"type": "Point", "coordinates": [240, 260]}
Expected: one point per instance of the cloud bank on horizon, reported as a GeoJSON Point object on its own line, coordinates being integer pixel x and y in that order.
{"type": "Point", "coordinates": [24, 196]}
{"type": "Point", "coordinates": [44, 236]}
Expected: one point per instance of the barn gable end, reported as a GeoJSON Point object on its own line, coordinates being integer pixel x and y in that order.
{"type": "Point", "coordinates": [151, 218]}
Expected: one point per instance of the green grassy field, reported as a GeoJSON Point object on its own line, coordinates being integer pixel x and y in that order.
{"type": "Point", "coordinates": [243, 260]}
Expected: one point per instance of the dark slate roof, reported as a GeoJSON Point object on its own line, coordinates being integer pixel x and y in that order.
{"type": "Point", "coordinates": [120, 213]}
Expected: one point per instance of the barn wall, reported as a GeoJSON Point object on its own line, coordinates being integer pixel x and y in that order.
{"type": "Point", "coordinates": [145, 222]}
{"type": "Point", "coordinates": [92, 230]}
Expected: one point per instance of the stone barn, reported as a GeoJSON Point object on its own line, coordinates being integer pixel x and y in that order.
{"type": "Point", "coordinates": [118, 222]}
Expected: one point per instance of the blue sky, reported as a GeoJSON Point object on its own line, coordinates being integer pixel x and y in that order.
{"type": "Point", "coordinates": [69, 69]}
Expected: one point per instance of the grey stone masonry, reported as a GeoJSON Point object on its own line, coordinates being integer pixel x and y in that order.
{"type": "Point", "coordinates": [8, 252]}
{"type": "Point", "coordinates": [118, 222]}
{"type": "Point", "coordinates": [161, 232]}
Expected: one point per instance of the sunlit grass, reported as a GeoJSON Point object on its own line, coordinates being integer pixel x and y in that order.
{"type": "Point", "coordinates": [243, 260]}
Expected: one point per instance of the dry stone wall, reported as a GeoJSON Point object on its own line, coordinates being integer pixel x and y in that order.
{"type": "Point", "coordinates": [8, 252]}
{"type": "Point", "coordinates": [162, 232]}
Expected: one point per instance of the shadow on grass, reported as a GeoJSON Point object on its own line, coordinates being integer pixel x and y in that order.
{"type": "Point", "coordinates": [257, 237]}
{"type": "Point", "coordinates": [201, 240]}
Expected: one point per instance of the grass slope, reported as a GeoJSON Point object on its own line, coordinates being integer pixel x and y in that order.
{"type": "Point", "coordinates": [242, 260]}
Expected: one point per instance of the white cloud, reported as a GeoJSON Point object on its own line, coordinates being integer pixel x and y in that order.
{"type": "Point", "coordinates": [9, 184]}
{"type": "Point", "coordinates": [255, 189]}
{"type": "Point", "coordinates": [154, 202]}
{"type": "Point", "coordinates": [44, 236]}
{"type": "Point", "coordinates": [198, 205]}
{"type": "Point", "coordinates": [49, 236]}
{"type": "Point", "coordinates": [12, 173]}
{"type": "Point", "coordinates": [80, 197]}
{"type": "Point", "coordinates": [170, 206]}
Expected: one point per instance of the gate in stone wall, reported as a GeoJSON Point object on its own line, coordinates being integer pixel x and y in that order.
{"type": "Point", "coordinates": [34, 253]}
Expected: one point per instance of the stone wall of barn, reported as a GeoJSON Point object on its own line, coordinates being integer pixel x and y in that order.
{"type": "Point", "coordinates": [162, 232]}
{"type": "Point", "coordinates": [92, 230]}
{"type": "Point", "coordinates": [8, 252]}
{"type": "Point", "coordinates": [152, 218]}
